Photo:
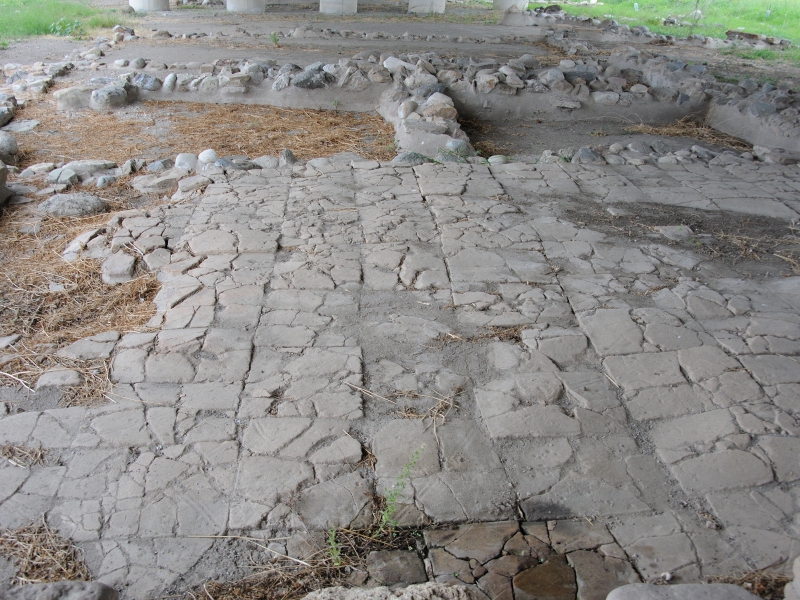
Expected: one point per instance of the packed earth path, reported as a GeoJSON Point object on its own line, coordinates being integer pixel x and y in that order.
{"type": "Point", "coordinates": [530, 374]}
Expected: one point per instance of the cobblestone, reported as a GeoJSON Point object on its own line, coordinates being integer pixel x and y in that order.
{"type": "Point", "coordinates": [494, 358]}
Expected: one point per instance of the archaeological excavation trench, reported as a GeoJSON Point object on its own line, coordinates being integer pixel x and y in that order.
{"type": "Point", "coordinates": [292, 302]}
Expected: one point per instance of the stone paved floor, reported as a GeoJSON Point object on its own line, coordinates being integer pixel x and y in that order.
{"type": "Point", "coordinates": [644, 391]}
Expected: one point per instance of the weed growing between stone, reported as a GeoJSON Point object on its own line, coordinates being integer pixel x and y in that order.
{"type": "Point", "coordinates": [41, 555]}
{"type": "Point", "coordinates": [334, 550]}
{"type": "Point", "coordinates": [386, 520]}
{"type": "Point", "coordinates": [337, 557]}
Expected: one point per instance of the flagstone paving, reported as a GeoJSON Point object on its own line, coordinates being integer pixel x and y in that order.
{"type": "Point", "coordinates": [645, 389]}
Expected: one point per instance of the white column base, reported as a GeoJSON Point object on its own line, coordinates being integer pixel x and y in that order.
{"type": "Point", "coordinates": [149, 5]}
{"type": "Point", "coordinates": [426, 7]}
{"type": "Point", "coordinates": [504, 5]}
{"type": "Point", "coordinates": [246, 6]}
{"type": "Point", "coordinates": [338, 7]}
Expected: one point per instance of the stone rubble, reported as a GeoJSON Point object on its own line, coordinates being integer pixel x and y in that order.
{"type": "Point", "coordinates": [629, 79]}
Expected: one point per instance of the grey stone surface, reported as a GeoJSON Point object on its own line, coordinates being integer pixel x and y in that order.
{"type": "Point", "coordinates": [73, 205]}
{"type": "Point", "coordinates": [63, 590]}
{"type": "Point", "coordinates": [449, 322]}
{"type": "Point", "coordinates": [717, 591]}
{"type": "Point", "coordinates": [424, 591]}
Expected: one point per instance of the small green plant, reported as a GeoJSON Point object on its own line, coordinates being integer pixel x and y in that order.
{"type": "Point", "coordinates": [334, 550]}
{"type": "Point", "coordinates": [275, 39]}
{"type": "Point", "coordinates": [386, 520]}
{"type": "Point", "coordinates": [335, 105]}
{"type": "Point", "coordinates": [65, 28]}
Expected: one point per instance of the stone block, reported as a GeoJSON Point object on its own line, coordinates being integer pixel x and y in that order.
{"type": "Point", "coordinates": [338, 7]}
{"type": "Point", "coordinates": [426, 7]}
{"type": "Point", "coordinates": [246, 6]}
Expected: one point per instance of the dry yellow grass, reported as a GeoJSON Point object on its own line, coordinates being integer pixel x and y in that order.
{"type": "Point", "coordinates": [691, 128]}
{"type": "Point", "coordinates": [51, 303]}
{"type": "Point", "coordinates": [158, 129]}
{"type": "Point", "coordinates": [41, 555]}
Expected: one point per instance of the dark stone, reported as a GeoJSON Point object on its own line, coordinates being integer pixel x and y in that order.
{"type": "Point", "coordinates": [675, 66]}
{"type": "Point", "coordinates": [552, 580]}
{"type": "Point", "coordinates": [587, 156]}
{"type": "Point", "coordinates": [510, 565]}
{"type": "Point", "coordinates": [597, 575]}
{"type": "Point", "coordinates": [288, 69]}
{"type": "Point", "coordinates": [147, 82]}
{"type": "Point", "coordinates": [586, 75]}
{"type": "Point", "coordinates": [762, 109]}
{"type": "Point", "coordinates": [426, 91]}
{"type": "Point", "coordinates": [157, 166]}
{"type": "Point", "coordinates": [496, 586]}
{"type": "Point", "coordinates": [449, 569]}
{"type": "Point", "coordinates": [664, 94]}
{"type": "Point", "coordinates": [482, 541]}
{"type": "Point", "coordinates": [683, 98]}
{"type": "Point", "coordinates": [389, 567]}
{"type": "Point", "coordinates": [632, 76]}
{"type": "Point", "coordinates": [411, 159]}
{"type": "Point", "coordinates": [449, 157]}
{"type": "Point", "coordinates": [62, 590]}
{"type": "Point", "coordinates": [312, 80]}
{"type": "Point", "coordinates": [286, 157]}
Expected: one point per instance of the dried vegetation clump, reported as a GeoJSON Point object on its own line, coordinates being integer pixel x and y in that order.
{"type": "Point", "coordinates": [339, 559]}
{"type": "Point", "coordinates": [22, 456]}
{"type": "Point", "coordinates": [41, 555]}
{"type": "Point", "coordinates": [159, 129]}
{"type": "Point", "coordinates": [690, 127]}
{"type": "Point", "coordinates": [764, 583]}
{"type": "Point", "coordinates": [51, 303]}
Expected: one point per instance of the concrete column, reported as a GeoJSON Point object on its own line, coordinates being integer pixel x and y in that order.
{"type": "Point", "coordinates": [426, 7]}
{"type": "Point", "coordinates": [504, 5]}
{"type": "Point", "coordinates": [246, 6]}
{"type": "Point", "coordinates": [338, 7]}
{"type": "Point", "coordinates": [148, 5]}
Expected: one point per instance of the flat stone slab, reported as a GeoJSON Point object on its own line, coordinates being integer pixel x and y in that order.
{"type": "Point", "coordinates": [445, 338]}
{"type": "Point", "coordinates": [716, 591]}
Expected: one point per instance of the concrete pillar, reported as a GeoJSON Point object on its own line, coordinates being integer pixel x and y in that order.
{"type": "Point", "coordinates": [426, 7]}
{"type": "Point", "coordinates": [504, 5]}
{"type": "Point", "coordinates": [338, 7]}
{"type": "Point", "coordinates": [246, 6]}
{"type": "Point", "coordinates": [148, 5]}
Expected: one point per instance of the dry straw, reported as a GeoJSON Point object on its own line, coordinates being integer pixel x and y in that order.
{"type": "Point", "coordinates": [690, 127]}
{"type": "Point", "coordinates": [157, 129]}
{"type": "Point", "coordinates": [41, 555]}
{"type": "Point", "coordinates": [52, 303]}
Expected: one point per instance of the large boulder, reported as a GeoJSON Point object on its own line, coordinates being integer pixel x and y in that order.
{"type": "Point", "coordinates": [73, 205]}
{"type": "Point", "coordinates": [8, 148]}
{"type": "Point", "coordinates": [73, 98]}
{"type": "Point", "coordinates": [112, 96]}
{"type": "Point", "coordinates": [5, 193]}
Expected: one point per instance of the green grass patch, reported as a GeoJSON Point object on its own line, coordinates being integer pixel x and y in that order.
{"type": "Point", "coordinates": [26, 18]}
{"type": "Point", "coordinates": [778, 18]}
